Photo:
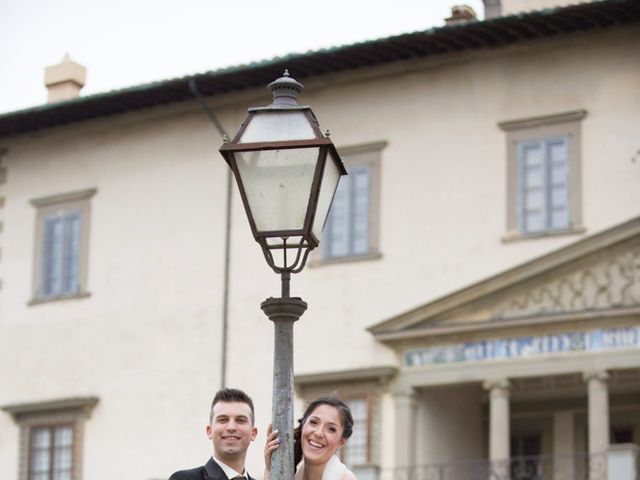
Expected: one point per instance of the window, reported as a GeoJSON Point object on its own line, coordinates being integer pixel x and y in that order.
{"type": "Point", "coordinates": [51, 453]}
{"type": "Point", "coordinates": [351, 230]}
{"type": "Point", "coordinates": [356, 451]}
{"type": "Point", "coordinates": [525, 455]}
{"type": "Point", "coordinates": [543, 175]}
{"type": "Point", "coordinates": [543, 185]}
{"type": "Point", "coordinates": [62, 230]}
{"type": "Point", "coordinates": [51, 437]}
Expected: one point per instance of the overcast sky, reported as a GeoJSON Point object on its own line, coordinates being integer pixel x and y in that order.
{"type": "Point", "coordinates": [129, 42]}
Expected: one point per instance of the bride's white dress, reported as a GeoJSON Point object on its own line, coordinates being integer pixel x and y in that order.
{"type": "Point", "coordinates": [333, 470]}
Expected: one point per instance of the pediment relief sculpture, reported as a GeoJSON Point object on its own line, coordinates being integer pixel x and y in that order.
{"type": "Point", "coordinates": [611, 284]}
{"type": "Point", "coordinates": [600, 273]}
{"type": "Point", "coordinates": [610, 280]}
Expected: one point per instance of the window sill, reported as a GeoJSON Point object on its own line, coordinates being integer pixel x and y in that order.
{"type": "Point", "coordinates": [514, 236]}
{"type": "Point", "coordinates": [319, 262]}
{"type": "Point", "coordinates": [72, 296]}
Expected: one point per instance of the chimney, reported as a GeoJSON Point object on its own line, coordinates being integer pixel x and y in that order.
{"type": "Point", "coordinates": [461, 14]}
{"type": "Point", "coordinates": [492, 9]}
{"type": "Point", "coordinates": [64, 80]}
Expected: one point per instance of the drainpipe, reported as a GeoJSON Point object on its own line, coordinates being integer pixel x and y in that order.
{"type": "Point", "coordinates": [227, 236]}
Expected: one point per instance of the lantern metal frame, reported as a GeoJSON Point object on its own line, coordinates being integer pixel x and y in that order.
{"type": "Point", "coordinates": [295, 254]}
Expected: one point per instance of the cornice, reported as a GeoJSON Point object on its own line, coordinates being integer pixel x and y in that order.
{"type": "Point", "coordinates": [84, 404]}
{"type": "Point", "coordinates": [373, 373]}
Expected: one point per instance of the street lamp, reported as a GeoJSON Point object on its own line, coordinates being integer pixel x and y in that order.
{"type": "Point", "coordinates": [287, 172]}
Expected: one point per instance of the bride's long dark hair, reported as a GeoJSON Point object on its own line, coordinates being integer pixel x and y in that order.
{"type": "Point", "coordinates": [345, 418]}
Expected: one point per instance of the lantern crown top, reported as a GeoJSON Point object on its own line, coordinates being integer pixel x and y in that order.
{"type": "Point", "coordinates": [285, 91]}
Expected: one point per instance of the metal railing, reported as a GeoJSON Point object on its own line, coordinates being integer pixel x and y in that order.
{"type": "Point", "coordinates": [551, 467]}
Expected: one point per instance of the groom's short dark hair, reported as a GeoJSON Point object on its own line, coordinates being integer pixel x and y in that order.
{"type": "Point", "coordinates": [232, 395]}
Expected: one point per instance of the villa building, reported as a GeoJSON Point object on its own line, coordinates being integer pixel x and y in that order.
{"type": "Point", "coordinates": [475, 298]}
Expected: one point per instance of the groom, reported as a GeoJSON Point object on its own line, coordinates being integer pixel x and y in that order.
{"type": "Point", "coordinates": [231, 428]}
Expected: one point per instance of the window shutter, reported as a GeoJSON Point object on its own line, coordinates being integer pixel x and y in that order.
{"type": "Point", "coordinates": [63, 461]}
{"type": "Point", "coordinates": [360, 209]}
{"type": "Point", "coordinates": [531, 188]}
{"type": "Point", "coordinates": [558, 161]}
{"type": "Point", "coordinates": [40, 454]}
{"type": "Point", "coordinates": [71, 259]}
{"type": "Point", "coordinates": [337, 235]}
{"type": "Point", "coordinates": [52, 256]}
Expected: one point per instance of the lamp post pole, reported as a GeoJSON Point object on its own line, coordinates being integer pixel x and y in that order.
{"type": "Point", "coordinates": [287, 172]}
{"type": "Point", "coordinates": [283, 312]}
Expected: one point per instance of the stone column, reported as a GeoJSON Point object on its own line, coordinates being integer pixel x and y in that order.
{"type": "Point", "coordinates": [563, 445]}
{"type": "Point", "coordinates": [598, 422]}
{"type": "Point", "coordinates": [499, 431]}
{"type": "Point", "coordinates": [405, 432]}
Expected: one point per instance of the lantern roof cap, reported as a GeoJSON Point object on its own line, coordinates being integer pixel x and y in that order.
{"type": "Point", "coordinates": [285, 91]}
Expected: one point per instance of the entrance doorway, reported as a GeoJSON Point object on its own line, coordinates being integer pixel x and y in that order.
{"type": "Point", "coordinates": [526, 449]}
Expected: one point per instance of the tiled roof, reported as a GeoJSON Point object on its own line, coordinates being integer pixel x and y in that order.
{"type": "Point", "coordinates": [493, 33]}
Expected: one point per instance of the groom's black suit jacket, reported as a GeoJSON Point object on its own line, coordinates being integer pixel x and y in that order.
{"type": "Point", "coordinates": [210, 471]}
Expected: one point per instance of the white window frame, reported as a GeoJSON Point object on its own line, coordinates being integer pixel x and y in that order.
{"type": "Point", "coordinates": [565, 125]}
{"type": "Point", "coordinates": [63, 211]}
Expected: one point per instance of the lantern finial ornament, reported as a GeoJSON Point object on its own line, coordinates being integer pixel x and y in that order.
{"type": "Point", "coordinates": [285, 91]}
{"type": "Point", "coordinates": [287, 172]}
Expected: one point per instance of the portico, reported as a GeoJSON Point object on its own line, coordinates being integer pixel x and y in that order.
{"type": "Point", "coordinates": [534, 372]}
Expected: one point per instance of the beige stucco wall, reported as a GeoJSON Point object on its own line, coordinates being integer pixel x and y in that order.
{"type": "Point", "coordinates": [147, 340]}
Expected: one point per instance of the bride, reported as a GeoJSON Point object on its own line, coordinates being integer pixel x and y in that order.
{"type": "Point", "coordinates": [324, 428]}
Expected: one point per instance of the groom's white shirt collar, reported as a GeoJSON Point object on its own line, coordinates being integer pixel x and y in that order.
{"type": "Point", "coordinates": [228, 471]}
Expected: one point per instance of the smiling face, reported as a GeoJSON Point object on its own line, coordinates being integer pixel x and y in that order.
{"type": "Point", "coordinates": [231, 431]}
{"type": "Point", "coordinates": [322, 434]}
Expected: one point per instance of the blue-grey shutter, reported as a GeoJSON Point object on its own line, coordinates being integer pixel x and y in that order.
{"type": "Point", "coordinates": [52, 248]}
{"type": "Point", "coordinates": [63, 460]}
{"type": "Point", "coordinates": [337, 230]}
{"type": "Point", "coordinates": [532, 206]}
{"type": "Point", "coordinates": [40, 454]}
{"type": "Point", "coordinates": [558, 184]}
{"type": "Point", "coordinates": [360, 209]}
{"type": "Point", "coordinates": [71, 259]}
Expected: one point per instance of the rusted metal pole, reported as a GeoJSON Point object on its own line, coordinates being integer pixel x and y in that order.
{"type": "Point", "coordinates": [283, 312]}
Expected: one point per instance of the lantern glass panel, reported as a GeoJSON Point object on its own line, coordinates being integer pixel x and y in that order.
{"type": "Point", "coordinates": [277, 184]}
{"type": "Point", "coordinates": [330, 179]}
{"type": "Point", "coordinates": [277, 127]}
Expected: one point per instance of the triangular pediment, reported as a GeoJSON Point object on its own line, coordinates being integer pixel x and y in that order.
{"type": "Point", "coordinates": [598, 275]}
